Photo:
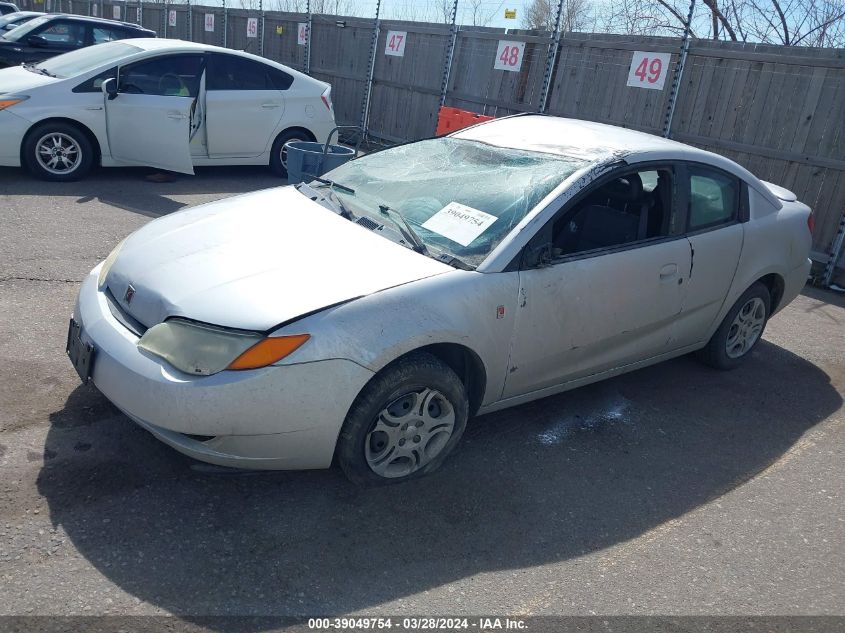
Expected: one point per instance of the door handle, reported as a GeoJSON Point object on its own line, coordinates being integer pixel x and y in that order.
{"type": "Point", "coordinates": [668, 271]}
{"type": "Point", "coordinates": [271, 105]}
{"type": "Point", "coordinates": [176, 116]}
{"type": "Point", "coordinates": [94, 108]}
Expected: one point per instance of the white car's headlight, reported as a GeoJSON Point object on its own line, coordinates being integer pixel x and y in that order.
{"type": "Point", "coordinates": [107, 264]}
{"type": "Point", "coordinates": [204, 350]}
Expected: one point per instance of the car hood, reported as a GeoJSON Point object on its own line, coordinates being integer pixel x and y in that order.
{"type": "Point", "coordinates": [255, 261]}
{"type": "Point", "coordinates": [17, 79]}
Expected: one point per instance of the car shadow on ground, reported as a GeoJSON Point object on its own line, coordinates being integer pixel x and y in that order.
{"type": "Point", "coordinates": [545, 482]}
{"type": "Point", "coordinates": [128, 189]}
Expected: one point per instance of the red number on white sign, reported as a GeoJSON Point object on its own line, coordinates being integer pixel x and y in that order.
{"type": "Point", "coordinates": [509, 56]}
{"type": "Point", "coordinates": [654, 69]}
{"type": "Point", "coordinates": [395, 42]}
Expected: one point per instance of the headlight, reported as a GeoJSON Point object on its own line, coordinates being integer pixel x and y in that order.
{"type": "Point", "coordinates": [104, 271]}
{"type": "Point", "coordinates": [8, 102]}
{"type": "Point", "coordinates": [204, 350]}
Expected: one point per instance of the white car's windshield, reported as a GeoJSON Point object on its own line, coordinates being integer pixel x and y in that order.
{"type": "Point", "coordinates": [26, 28]}
{"type": "Point", "coordinates": [87, 59]}
{"type": "Point", "coordinates": [461, 197]}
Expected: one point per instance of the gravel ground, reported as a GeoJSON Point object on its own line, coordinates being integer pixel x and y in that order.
{"type": "Point", "coordinates": [672, 490]}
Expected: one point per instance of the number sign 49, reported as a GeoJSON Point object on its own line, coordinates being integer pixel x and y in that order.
{"type": "Point", "coordinates": [395, 43]}
{"type": "Point", "coordinates": [509, 56]}
{"type": "Point", "coordinates": [648, 70]}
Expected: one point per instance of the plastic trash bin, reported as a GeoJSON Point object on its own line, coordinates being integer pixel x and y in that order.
{"type": "Point", "coordinates": [306, 159]}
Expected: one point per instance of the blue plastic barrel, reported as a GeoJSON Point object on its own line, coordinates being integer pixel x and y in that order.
{"type": "Point", "coordinates": [306, 159]}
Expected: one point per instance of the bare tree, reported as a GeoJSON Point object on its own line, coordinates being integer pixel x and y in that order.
{"type": "Point", "coordinates": [477, 13]}
{"type": "Point", "coordinates": [785, 22]}
{"type": "Point", "coordinates": [541, 15]}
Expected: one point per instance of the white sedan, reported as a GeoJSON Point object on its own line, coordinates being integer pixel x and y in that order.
{"type": "Point", "coordinates": [160, 103]}
{"type": "Point", "coordinates": [367, 316]}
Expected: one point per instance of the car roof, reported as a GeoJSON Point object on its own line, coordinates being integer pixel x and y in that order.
{"type": "Point", "coordinates": [160, 44]}
{"type": "Point", "coordinates": [92, 20]}
{"type": "Point", "coordinates": [598, 143]}
{"type": "Point", "coordinates": [566, 137]}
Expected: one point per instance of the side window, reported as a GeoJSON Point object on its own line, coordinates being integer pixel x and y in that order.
{"type": "Point", "coordinates": [170, 75]}
{"type": "Point", "coordinates": [63, 32]}
{"type": "Point", "coordinates": [229, 72]}
{"type": "Point", "coordinates": [714, 198]}
{"type": "Point", "coordinates": [105, 35]}
{"type": "Point", "coordinates": [95, 83]}
{"type": "Point", "coordinates": [629, 208]}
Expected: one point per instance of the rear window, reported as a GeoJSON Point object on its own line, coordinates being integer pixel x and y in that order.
{"type": "Point", "coordinates": [230, 72]}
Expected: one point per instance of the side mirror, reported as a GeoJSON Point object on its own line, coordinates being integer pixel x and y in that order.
{"type": "Point", "coordinates": [37, 41]}
{"type": "Point", "coordinates": [109, 88]}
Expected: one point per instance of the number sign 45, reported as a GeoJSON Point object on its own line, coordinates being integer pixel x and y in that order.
{"type": "Point", "coordinates": [648, 70]}
{"type": "Point", "coordinates": [509, 56]}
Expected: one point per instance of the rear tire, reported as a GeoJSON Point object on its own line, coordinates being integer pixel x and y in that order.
{"type": "Point", "coordinates": [277, 153]}
{"type": "Point", "coordinates": [404, 423]}
{"type": "Point", "coordinates": [60, 152]}
{"type": "Point", "coordinates": [740, 331]}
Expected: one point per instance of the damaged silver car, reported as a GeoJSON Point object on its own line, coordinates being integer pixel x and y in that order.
{"type": "Point", "coordinates": [367, 315]}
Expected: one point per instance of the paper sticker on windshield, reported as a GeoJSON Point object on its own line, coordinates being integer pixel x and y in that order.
{"type": "Point", "coordinates": [459, 223]}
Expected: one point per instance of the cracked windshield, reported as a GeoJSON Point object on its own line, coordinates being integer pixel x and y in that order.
{"type": "Point", "coordinates": [460, 197]}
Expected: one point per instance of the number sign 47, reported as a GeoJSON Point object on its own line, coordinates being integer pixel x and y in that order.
{"type": "Point", "coordinates": [395, 43]}
{"type": "Point", "coordinates": [509, 56]}
{"type": "Point", "coordinates": [648, 70]}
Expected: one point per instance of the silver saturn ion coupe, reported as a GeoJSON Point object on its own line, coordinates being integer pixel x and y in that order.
{"type": "Point", "coordinates": [366, 316]}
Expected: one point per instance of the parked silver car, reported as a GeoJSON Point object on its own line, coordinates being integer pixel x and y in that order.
{"type": "Point", "coordinates": [367, 316]}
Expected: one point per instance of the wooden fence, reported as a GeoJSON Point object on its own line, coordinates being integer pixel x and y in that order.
{"type": "Point", "coordinates": [779, 111]}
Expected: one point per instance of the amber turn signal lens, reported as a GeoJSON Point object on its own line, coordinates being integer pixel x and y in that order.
{"type": "Point", "coordinates": [5, 103]}
{"type": "Point", "coordinates": [268, 351]}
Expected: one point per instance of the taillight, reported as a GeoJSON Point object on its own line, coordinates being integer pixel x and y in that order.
{"type": "Point", "coordinates": [327, 98]}
{"type": "Point", "coordinates": [811, 222]}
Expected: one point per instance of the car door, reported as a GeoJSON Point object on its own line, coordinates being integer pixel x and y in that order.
{"type": "Point", "coordinates": [149, 120]}
{"type": "Point", "coordinates": [602, 284]}
{"type": "Point", "coordinates": [244, 104]}
{"type": "Point", "coordinates": [716, 209]}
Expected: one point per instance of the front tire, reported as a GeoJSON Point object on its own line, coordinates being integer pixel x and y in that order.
{"type": "Point", "coordinates": [59, 152]}
{"type": "Point", "coordinates": [404, 423]}
{"type": "Point", "coordinates": [740, 331]}
{"type": "Point", "coordinates": [278, 161]}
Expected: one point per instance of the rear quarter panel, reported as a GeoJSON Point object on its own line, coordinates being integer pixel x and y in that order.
{"type": "Point", "coordinates": [777, 241]}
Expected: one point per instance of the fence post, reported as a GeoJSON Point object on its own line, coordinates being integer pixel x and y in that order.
{"type": "Point", "coordinates": [261, 22]}
{"type": "Point", "coordinates": [308, 39]}
{"type": "Point", "coordinates": [551, 59]}
{"type": "Point", "coordinates": [365, 110]}
{"type": "Point", "coordinates": [675, 89]}
{"type": "Point", "coordinates": [450, 53]}
{"type": "Point", "coordinates": [190, 22]}
{"type": "Point", "coordinates": [166, 19]}
{"type": "Point", "coordinates": [835, 253]}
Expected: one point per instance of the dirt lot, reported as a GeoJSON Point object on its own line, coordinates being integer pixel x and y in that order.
{"type": "Point", "coordinates": [672, 490]}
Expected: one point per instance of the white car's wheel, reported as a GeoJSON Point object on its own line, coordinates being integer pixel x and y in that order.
{"type": "Point", "coordinates": [58, 151]}
{"type": "Point", "coordinates": [740, 330]}
{"type": "Point", "coordinates": [404, 423]}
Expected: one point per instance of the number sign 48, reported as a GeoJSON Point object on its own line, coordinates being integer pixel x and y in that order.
{"type": "Point", "coordinates": [509, 56]}
{"type": "Point", "coordinates": [648, 70]}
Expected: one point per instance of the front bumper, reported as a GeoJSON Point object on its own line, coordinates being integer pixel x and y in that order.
{"type": "Point", "coordinates": [277, 417]}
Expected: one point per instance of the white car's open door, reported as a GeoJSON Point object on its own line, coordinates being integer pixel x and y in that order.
{"type": "Point", "coordinates": [151, 130]}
